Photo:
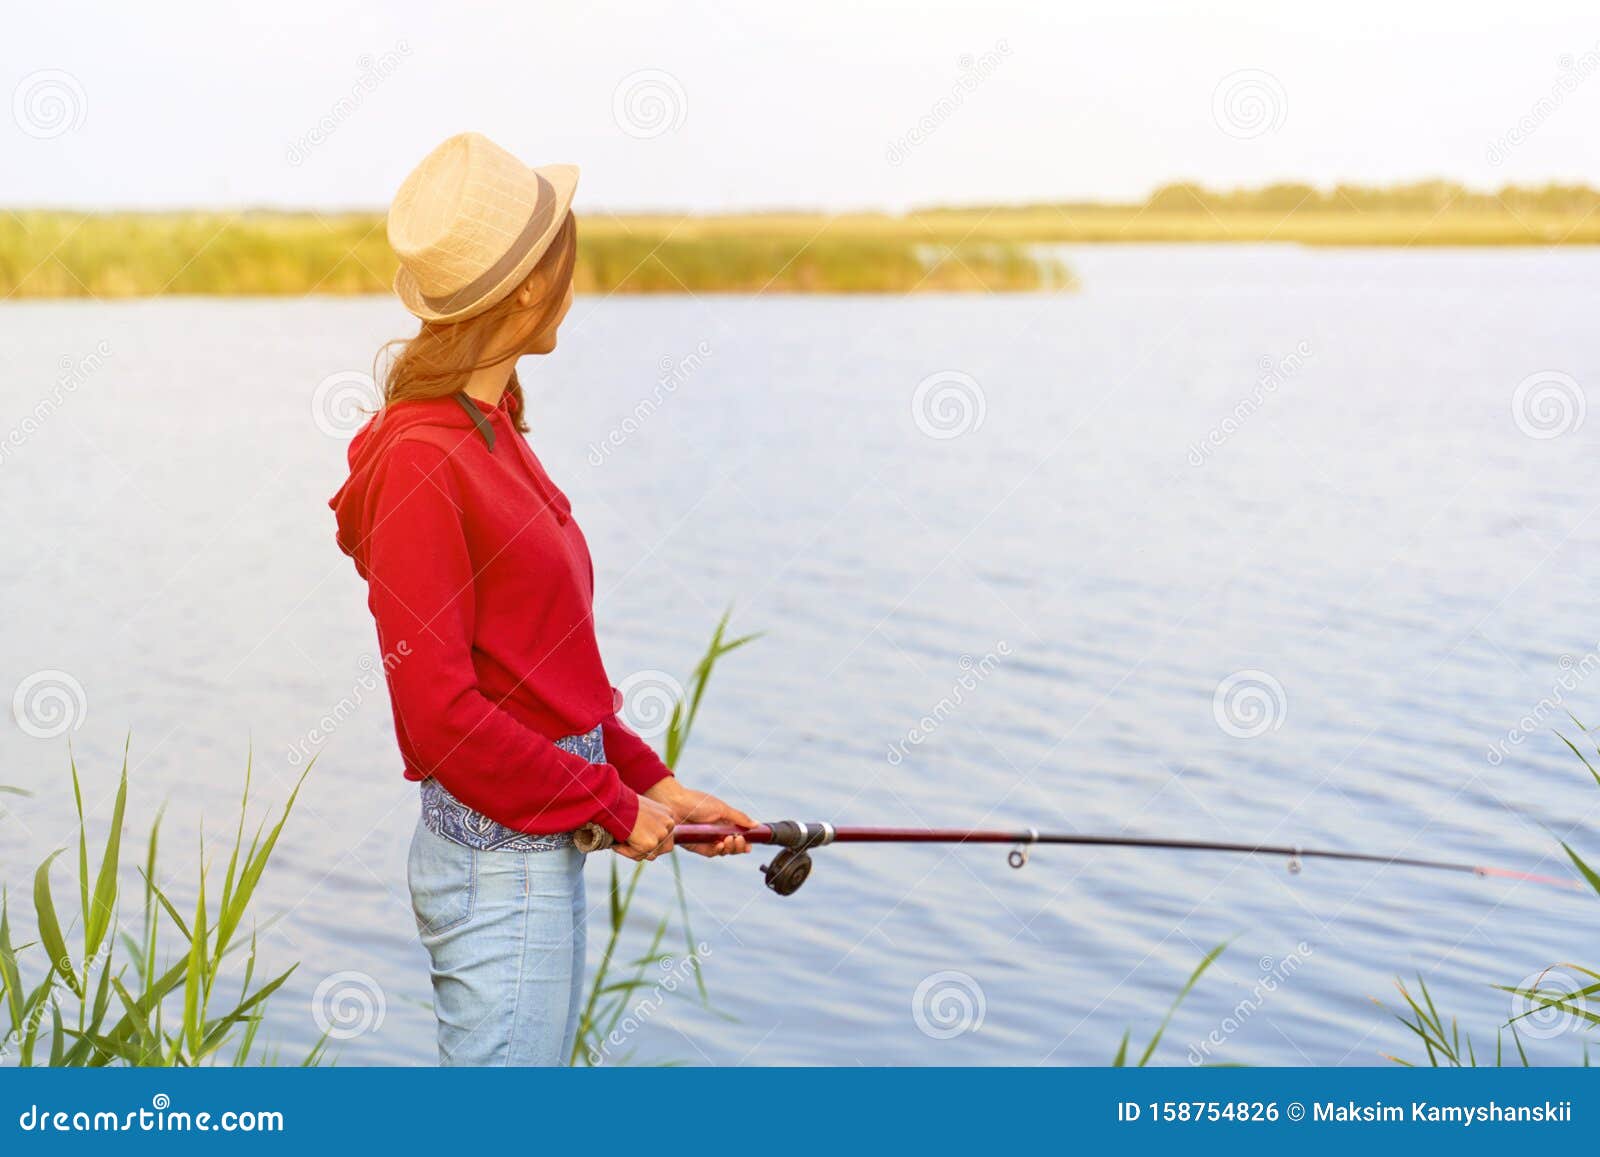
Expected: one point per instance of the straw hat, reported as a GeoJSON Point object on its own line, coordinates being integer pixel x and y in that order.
{"type": "Point", "coordinates": [470, 223]}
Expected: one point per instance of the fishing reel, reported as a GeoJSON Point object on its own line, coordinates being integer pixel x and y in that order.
{"type": "Point", "coordinates": [787, 871]}
{"type": "Point", "coordinates": [792, 866]}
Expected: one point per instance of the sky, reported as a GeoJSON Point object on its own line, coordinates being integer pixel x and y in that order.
{"type": "Point", "coordinates": [822, 105]}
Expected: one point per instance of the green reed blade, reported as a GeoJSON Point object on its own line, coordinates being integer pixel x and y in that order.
{"type": "Point", "coordinates": [1194, 978]}
{"type": "Point", "coordinates": [1121, 1059]}
{"type": "Point", "coordinates": [98, 914]}
{"type": "Point", "coordinates": [10, 974]}
{"type": "Point", "coordinates": [217, 1030]}
{"type": "Point", "coordinates": [55, 945]}
{"type": "Point", "coordinates": [197, 978]}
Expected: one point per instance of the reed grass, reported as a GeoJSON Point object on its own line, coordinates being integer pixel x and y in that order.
{"type": "Point", "coordinates": [991, 248]}
{"type": "Point", "coordinates": [53, 255]}
{"type": "Point", "coordinates": [113, 997]}
{"type": "Point", "coordinates": [614, 985]}
{"type": "Point", "coordinates": [1121, 1059]}
{"type": "Point", "coordinates": [1446, 1045]}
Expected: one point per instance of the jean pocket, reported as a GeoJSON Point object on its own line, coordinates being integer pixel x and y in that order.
{"type": "Point", "coordinates": [444, 883]}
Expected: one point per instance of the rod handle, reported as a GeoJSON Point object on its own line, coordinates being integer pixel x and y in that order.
{"type": "Point", "coordinates": [591, 837]}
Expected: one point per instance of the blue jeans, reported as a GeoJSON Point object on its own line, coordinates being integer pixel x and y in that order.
{"type": "Point", "coordinates": [505, 933]}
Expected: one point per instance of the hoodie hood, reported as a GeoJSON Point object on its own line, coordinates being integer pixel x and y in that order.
{"type": "Point", "coordinates": [445, 422]}
{"type": "Point", "coordinates": [352, 505]}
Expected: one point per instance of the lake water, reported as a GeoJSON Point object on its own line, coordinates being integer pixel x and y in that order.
{"type": "Point", "coordinates": [1371, 556]}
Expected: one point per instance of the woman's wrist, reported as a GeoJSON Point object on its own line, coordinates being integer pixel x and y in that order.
{"type": "Point", "coordinates": [665, 790]}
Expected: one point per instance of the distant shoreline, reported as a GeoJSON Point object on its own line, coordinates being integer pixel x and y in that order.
{"type": "Point", "coordinates": [63, 254]}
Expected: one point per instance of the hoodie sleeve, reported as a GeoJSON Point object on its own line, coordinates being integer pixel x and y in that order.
{"type": "Point", "coordinates": [635, 760]}
{"type": "Point", "coordinates": [421, 593]}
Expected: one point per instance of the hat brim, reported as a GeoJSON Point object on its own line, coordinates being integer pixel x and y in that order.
{"type": "Point", "coordinates": [564, 180]}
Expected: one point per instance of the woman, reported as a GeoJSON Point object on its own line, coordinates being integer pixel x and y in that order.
{"type": "Point", "coordinates": [481, 585]}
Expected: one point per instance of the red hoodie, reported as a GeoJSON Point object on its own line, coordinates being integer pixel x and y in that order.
{"type": "Point", "coordinates": [482, 588]}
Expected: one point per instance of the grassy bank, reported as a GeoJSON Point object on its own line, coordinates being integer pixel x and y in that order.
{"type": "Point", "coordinates": [51, 254]}
{"type": "Point", "coordinates": [100, 987]}
{"type": "Point", "coordinates": [971, 249]}
{"type": "Point", "coordinates": [1425, 213]}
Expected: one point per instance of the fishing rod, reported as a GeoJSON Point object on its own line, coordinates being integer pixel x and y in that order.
{"type": "Point", "coordinates": [792, 865]}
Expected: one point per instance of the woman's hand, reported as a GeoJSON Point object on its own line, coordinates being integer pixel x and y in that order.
{"type": "Point", "coordinates": [697, 807]}
{"type": "Point", "coordinates": [652, 831]}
